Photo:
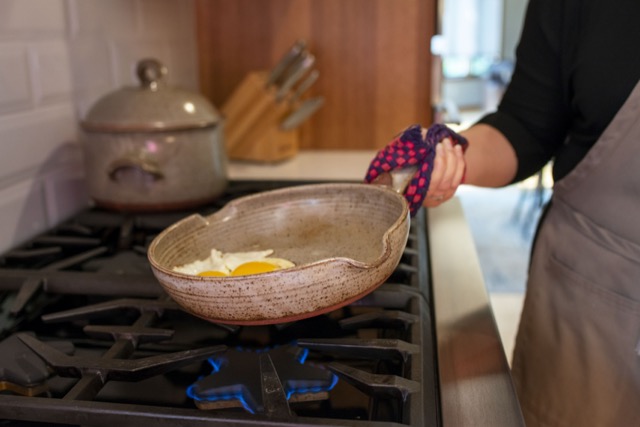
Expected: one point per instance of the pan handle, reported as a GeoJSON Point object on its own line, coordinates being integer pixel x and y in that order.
{"type": "Point", "coordinates": [397, 179]}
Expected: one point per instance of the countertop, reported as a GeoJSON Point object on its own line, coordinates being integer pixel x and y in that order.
{"type": "Point", "coordinates": [307, 165]}
{"type": "Point", "coordinates": [476, 387]}
{"type": "Point", "coordinates": [475, 382]}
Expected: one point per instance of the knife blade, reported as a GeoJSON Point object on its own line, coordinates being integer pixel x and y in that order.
{"type": "Point", "coordinates": [305, 85]}
{"type": "Point", "coordinates": [287, 59]}
{"type": "Point", "coordinates": [306, 109]}
{"type": "Point", "coordinates": [295, 75]}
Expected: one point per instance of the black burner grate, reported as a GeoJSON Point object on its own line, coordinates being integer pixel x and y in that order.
{"type": "Point", "coordinates": [105, 345]}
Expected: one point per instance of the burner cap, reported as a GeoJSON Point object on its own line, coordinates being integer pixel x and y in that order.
{"type": "Point", "coordinates": [236, 379]}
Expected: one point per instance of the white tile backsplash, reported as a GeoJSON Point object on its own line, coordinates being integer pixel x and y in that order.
{"type": "Point", "coordinates": [55, 64]}
{"type": "Point", "coordinates": [63, 190]}
{"type": "Point", "coordinates": [27, 19]}
{"type": "Point", "coordinates": [15, 85]}
{"type": "Point", "coordinates": [22, 207]}
{"type": "Point", "coordinates": [165, 17]}
{"type": "Point", "coordinates": [109, 17]}
{"type": "Point", "coordinates": [91, 59]}
{"type": "Point", "coordinates": [51, 69]}
{"type": "Point", "coordinates": [30, 140]}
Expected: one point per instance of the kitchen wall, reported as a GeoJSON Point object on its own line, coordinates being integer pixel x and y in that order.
{"type": "Point", "coordinates": [372, 56]}
{"type": "Point", "coordinates": [57, 57]}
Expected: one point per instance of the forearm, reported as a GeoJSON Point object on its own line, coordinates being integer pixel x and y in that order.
{"type": "Point", "coordinates": [490, 160]}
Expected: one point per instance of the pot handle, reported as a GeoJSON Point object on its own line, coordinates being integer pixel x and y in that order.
{"type": "Point", "coordinates": [146, 169]}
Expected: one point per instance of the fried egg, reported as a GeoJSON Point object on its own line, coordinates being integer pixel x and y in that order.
{"type": "Point", "coordinates": [234, 264]}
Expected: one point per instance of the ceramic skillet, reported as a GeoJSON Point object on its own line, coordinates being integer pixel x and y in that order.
{"type": "Point", "coordinates": [345, 239]}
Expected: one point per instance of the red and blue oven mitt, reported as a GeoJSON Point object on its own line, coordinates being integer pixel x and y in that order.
{"type": "Point", "coordinates": [410, 149]}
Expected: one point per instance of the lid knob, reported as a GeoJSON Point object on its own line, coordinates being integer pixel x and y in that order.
{"type": "Point", "coordinates": [154, 105]}
{"type": "Point", "coordinates": [150, 71]}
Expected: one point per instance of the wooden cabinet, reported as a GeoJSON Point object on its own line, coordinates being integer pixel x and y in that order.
{"type": "Point", "coordinates": [373, 57]}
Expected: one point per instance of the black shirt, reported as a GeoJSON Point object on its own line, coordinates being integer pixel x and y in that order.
{"type": "Point", "coordinates": [576, 63]}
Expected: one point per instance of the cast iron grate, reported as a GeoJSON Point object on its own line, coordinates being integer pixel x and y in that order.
{"type": "Point", "coordinates": [104, 345]}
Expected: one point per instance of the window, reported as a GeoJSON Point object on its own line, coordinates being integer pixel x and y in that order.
{"type": "Point", "coordinates": [471, 39]}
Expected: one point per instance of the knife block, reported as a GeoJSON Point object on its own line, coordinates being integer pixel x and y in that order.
{"type": "Point", "coordinates": [253, 117]}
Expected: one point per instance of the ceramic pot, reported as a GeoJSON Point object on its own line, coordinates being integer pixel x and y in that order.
{"type": "Point", "coordinates": [154, 147]}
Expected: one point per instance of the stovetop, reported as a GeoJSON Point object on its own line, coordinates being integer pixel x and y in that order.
{"type": "Point", "coordinates": [88, 337]}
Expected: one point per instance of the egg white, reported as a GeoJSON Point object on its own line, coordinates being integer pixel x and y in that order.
{"type": "Point", "coordinates": [229, 261]}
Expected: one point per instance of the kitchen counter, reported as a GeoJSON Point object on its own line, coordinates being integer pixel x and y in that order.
{"type": "Point", "coordinates": [475, 381]}
{"type": "Point", "coordinates": [307, 165]}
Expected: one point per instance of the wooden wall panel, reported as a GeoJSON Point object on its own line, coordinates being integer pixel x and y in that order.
{"type": "Point", "coordinates": [373, 57]}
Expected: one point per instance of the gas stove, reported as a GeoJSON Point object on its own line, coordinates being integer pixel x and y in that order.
{"type": "Point", "coordinates": [88, 337]}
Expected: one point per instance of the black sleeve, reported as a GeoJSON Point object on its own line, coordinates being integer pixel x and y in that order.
{"type": "Point", "coordinates": [534, 112]}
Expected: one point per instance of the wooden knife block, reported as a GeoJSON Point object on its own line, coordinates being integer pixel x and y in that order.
{"type": "Point", "coordinates": [253, 117]}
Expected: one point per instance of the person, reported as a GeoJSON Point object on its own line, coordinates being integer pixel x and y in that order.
{"type": "Point", "coordinates": [574, 100]}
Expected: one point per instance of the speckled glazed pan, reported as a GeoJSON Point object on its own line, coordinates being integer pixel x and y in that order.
{"type": "Point", "coordinates": [345, 239]}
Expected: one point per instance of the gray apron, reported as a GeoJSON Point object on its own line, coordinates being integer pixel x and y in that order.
{"type": "Point", "coordinates": [576, 360]}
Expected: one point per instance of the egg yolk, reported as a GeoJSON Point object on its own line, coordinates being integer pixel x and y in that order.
{"type": "Point", "coordinates": [212, 273]}
{"type": "Point", "coordinates": [253, 267]}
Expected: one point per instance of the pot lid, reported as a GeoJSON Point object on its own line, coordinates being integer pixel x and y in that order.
{"type": "Point", "coordinates": [152, 106]}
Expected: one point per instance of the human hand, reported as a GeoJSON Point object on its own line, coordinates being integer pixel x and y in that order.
{"type": "Point", "coordinates": [435, 168]}
{"type": "Point", "coordinates": [448, 172]}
